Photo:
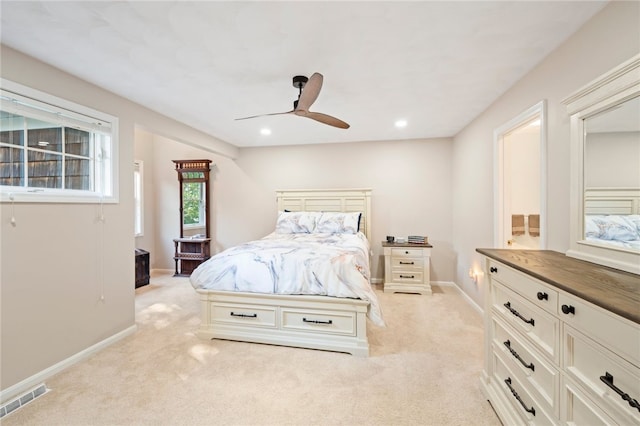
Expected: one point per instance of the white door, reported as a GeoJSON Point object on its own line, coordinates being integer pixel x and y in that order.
{"type": "Point", "coordinates": [520, 181]}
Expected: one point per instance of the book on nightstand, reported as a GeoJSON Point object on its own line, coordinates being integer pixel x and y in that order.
{"type": "Point", "coordinates": [417, 239]}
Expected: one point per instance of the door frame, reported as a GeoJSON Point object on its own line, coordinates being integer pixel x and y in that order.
{"type": "Point", "coordinates": [537, 110]}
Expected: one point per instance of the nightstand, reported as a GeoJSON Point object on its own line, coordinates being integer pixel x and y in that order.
{"type": "Point", "coordinates": [406, 267]}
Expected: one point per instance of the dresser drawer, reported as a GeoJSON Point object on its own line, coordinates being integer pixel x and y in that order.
{"type": "Point", "coordinates": [519, 396]}
{"type": "Point", "coordinates": [326, 322]}
{"type": "Point", "coordinates": [539, 327]}
{"type": "Point", "coordinates": [251, 315]}
{"type": "Point", "coordinates": [599, 324]}
{"type": "Point", "coordinates": [586, 362]}
{"type": "Point", "coordinates": [407, 264]}
{"type": "Point", "coordinates": [579, 410]}
{"type": "Point", "coordinates": [407, 252]}
{"type": "Point", "coordinates": [542, 377]}
{"type": "Point", "coordinates": [533, 290]}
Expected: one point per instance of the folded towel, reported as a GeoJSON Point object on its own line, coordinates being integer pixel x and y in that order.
{"type": "Point", "coordinates": [517, 224]}
{"type": "Point", "coordinates": [534, 225]}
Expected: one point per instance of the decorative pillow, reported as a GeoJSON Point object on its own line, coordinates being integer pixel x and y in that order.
{"type": "Point", "coordinates": [296, 222]}
{"type": "Point", "coordinates": [615, 228]}
{"type": "Point", "coordinates": [339, 223]}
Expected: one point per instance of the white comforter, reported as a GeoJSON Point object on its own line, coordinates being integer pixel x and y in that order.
{"type": "Point", "coordinates": [317, 264]}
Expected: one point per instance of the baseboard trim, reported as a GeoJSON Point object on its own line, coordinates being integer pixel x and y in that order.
{"type": "Point", "coordinates": [464, 295]}
{"type": "Point", "coordinates": [30, 382]}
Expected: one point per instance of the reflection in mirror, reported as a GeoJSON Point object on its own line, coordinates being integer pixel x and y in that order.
{"type": "Point", "coordinates": [612, 177]}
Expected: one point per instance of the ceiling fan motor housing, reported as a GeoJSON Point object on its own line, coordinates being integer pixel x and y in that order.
{"type": "Point", "coordinates": [299, 81]}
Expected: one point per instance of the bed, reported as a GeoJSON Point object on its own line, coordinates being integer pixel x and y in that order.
{"type": "Point", "coordinates": [612, 217]}
{"type": "Point", "coordinates": [262, 303]}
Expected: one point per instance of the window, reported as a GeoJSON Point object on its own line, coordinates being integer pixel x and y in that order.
{"type": "Point", "coordinates": [137, 195]}
{"type": "Point", "coordinates": [52, 150]}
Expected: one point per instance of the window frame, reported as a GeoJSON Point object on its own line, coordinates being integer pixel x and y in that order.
{"type": "Point", "coordinates": [138, 197]}
{"type": "Point", "coordinates": [106, 188]}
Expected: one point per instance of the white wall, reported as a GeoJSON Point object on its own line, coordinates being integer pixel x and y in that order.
{"type": "Point", "coordinates": [612, 160]}
{"type": "Point", "coordinates": [410, 182]}
{"type": "Point", "coordinates": [607, 40]}
{"type": "Point", "coordinates": [58, 260]}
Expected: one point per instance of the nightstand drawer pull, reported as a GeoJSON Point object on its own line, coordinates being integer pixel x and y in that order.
{"type": "Point", "coordinates": [407, 276]}
{"type": "Point", "coordinates": [407, 263]}
{"type": "Point", "coordinates": [568, 309]}
{"type": "Point", "coordinates": [515, 394]}
{"type": "Point", "coordinates": [516, 356]}
{"type": "Point", "coordinates": [233, 314]}
{"type": "Point", "coordinates": [317, 321]}
{"type": "Point", "coordinates": [493, 269]}
{"type": "Point", "coordinates": [516, 313]}
{"type": "Point", "coordinates": [607, 379]}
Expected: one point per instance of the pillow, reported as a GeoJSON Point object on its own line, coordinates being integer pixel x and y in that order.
{"type": "Point", "coordinates": [339, 222]}
{"type": "Point", "coordinates": [296, 222]}
{"type": "Point", "coordinates": [616, 228]}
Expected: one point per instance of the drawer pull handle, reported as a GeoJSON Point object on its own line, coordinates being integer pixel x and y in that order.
{"type": "Point", "coordinates": [516, 313]}
{"type": "Point", "coordinates": [568, 309]}
{"type": "Point", "coordinates": [542, 296]}
{"type": "Point", "coordinates": [407, 263]}
{"type": "Point", "coordinates": [406, 252]}
{"type": "Point", "coordinates": [233, 314]}
{"type": "Point", "coordinates": [516, 356]}
{"type": "Point", "coordinates": [317, 321]}
{"type": "Point", "coordinates": [407, 276]}
{"type": "Point", "coordinates": [515, 394]}
{"type": "Point", "coordinates": [607, 379]}
{"type": "Point", "coordinates": [493, 269]}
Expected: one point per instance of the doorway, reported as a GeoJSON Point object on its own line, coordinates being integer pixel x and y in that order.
{"type": "Point", "coordinates": [520, 181]}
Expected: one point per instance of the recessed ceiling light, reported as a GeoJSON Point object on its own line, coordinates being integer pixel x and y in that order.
{"type": "Point", "coordinates": [265, 132]}
{"type": "Point", "coordinates": [401, 123]}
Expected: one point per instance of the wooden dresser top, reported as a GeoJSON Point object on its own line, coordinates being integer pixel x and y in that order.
{"type": "Point", "coordinates": [611, 289]}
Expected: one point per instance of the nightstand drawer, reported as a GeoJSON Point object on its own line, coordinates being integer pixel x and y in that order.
{"type": "Point", "coordinates": [406, 252]}
{"type": "Point", "coordinates": [407, 263]}
{"type": "Point", "coordinates": [407, 277]}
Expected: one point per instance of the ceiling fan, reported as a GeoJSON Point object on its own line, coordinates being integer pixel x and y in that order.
{"type": "Point", "coordinates": [306, 98]}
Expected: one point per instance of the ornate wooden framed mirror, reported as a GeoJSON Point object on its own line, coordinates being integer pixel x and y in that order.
{"type": "Point", "coordinates": [193, 246]}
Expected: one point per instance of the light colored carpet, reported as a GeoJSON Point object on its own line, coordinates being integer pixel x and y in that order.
{"type": "Point", "coordinates": [423, 369]}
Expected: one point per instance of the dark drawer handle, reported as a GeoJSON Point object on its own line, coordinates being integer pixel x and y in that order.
{"type": "Point", "coordinates": [515, 394]}
{"type": "Point", "coordinates": [317, 321]}
{"type": "Point", "coordinates": [233, 314]}
{"type": "Point", "coordinates": [407, 276]}
{"type": "Point", "coordinates": [406, 252]}
{"type": "Point", "coordinates": [516, 313]}
{"type": "Point", "coordinates": [516, 356]}
{"type": "Point", "coordinates": [568, 309]}
{"type": "Point", "coordinates": [542, 296]}
{"type": "Point", "coordinates": [406, 263]}
{"type": "Point", "coordinates": [493, 269]}
{"type": "Point", "coordinates": [607, 379]}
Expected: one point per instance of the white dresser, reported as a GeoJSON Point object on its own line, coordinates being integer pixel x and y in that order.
{"type": "Point", "coordinates": [406, 268]}
{"type": "Point", "coordinates": [562, 340]}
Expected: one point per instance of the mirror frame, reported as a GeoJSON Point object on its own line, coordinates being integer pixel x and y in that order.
{"type": "Point", "coordinates": [612, 88]}
{"type": "Point", "coordinates": [184, 167]}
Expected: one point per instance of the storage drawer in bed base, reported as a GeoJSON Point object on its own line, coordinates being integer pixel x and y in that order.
{"type": "Point", "coordinates": [313, 322]}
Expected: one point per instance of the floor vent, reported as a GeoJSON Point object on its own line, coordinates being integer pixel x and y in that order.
{"type": "Point", "coordinates": [23, 400]}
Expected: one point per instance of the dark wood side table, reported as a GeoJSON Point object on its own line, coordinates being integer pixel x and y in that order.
{"type": "Point", "coordinates": [189, 253]}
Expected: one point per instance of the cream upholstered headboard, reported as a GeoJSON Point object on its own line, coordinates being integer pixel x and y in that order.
{"type": "Point", "coordinates": [612, 201]}
{"type": "Point", "coordinates": [329, 200]}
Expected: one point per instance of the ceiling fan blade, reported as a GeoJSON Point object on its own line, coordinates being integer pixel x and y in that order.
{"type": "Point", "coordinates": [310, 92]}
{"type": "Point", "coordinates": [325, 119]}
{"type": "Point", "coordinates": [264, 115]}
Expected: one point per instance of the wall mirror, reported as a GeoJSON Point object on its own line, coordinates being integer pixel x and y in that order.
{"type": "Point", "coordinates": [605, 169]}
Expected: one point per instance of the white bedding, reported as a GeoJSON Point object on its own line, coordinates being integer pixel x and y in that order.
{"type": "Point", "coordinates": [617, 230]}
{"type": "Point", "coordinates": [323, 264]}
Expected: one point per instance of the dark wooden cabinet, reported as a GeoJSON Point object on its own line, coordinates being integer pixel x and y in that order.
{"type": "Point", "coordinates": [142, 267]}
{"type": "Point", "coordinates": [189, 253]}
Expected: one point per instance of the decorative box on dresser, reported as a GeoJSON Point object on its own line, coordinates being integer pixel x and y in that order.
{"type": "Point", "coordinates": [562, 340]}
{"type": "Point", "coordinates": [406, 267]}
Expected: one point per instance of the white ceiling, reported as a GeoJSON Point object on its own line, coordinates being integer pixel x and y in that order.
{"type": "Point", "coordinates": [435, 64]}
